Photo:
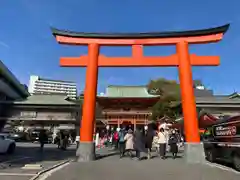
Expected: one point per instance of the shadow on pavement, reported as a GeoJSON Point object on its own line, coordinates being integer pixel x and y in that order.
{"type": "Point", "coordinates": [109, 154]}
{"type": "Point", "coordinates": [33, 155]}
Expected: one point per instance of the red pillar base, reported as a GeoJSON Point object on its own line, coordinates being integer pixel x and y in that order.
{"type": "Point", "coordinates": [86, 152]}
{"type": "Point", "coordinates": [194, 153]}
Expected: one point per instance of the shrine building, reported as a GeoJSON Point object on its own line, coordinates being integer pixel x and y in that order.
{"type": "Point", "coordinates": [125, 105]}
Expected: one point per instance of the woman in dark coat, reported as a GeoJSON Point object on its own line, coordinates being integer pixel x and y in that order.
{"type": "Point", "coordinates": [138, 143]}
{"type": "Point", "coordinates": [148, 141]}
{"type": "Point", "coordinates": [173, 140]}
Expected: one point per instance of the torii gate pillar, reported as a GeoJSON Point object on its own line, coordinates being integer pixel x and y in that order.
{"type": "Point", "coordinates": [182, 59]}
{"type": "Point", "coordinates": [87, 150]}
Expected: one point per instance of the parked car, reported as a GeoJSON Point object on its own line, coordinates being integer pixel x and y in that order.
{"type": "Point", "coordinates": [7, 145]}
{"type": "Point", "coordinates": [19, 136]}
{"type": "Point", "coordinates": [222, 142]}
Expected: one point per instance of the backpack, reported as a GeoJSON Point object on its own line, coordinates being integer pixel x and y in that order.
{"type": "Point", "coordinates": [121, 137]}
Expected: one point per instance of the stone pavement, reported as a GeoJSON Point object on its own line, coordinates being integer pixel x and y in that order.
{"type": "Point", "coordinates": [112, 167]}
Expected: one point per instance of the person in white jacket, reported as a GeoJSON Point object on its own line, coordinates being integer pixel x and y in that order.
{"type": "Point", "coordinates": [162, 141]}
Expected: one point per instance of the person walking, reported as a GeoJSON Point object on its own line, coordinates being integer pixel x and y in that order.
{"type": "Point", "coordinates": [97, 139]}
{"type": "Point", "coordinates": [173, 140]}
{"type": "Point", "coordinates": [155, 142]}
{"type": "Point", "coordinates": [42, 139]}
{"type": "Point", "coordinates": [162, 141]}
{"type": "Point", "coordinates": [77, 139]}
{"type": "Point", "coordinates": [149, 140]}
{"type": "Point", "coordinates": [129, 142]}
{"type": "Point", "coordinates": [57, 140]}
{"type": "Point", "coordinates": [121, 142]}
{"type": "Point", "coordinates": [116, 139]}
{"type": "Point", "coordinates": [138, 143]}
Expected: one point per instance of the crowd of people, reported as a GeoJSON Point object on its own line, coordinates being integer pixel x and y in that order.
{"type": "Point", "coordinates": [146, 140]}
{"type": "Point", "coordinates": [128, 142]}
{"type": "Point", "coordinates": [62, 139]}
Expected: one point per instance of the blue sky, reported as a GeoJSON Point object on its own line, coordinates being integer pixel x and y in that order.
{"type": "Point", "coordinates": [27, 46]}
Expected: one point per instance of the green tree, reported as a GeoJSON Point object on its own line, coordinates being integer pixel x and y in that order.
{"type": "Point", "coordinates": [169, 92]}
{"type": "Point", "coordinates": [165, 88]}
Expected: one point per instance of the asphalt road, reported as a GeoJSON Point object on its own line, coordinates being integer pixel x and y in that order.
{"type": "Point", "coordinates": [29, 153]}
{"type": "Point", "coordinates": [156, 168]}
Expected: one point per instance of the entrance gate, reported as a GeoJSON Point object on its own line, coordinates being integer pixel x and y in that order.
{"type": "Point", "coordinates": [182, 59]}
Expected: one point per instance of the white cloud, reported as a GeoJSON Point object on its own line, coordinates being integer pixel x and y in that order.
{"type": "Point", "coordinates": [4, 44]}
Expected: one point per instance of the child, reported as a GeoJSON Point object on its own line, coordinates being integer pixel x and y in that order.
{"type": "Point", "coordinates": [155, 142]}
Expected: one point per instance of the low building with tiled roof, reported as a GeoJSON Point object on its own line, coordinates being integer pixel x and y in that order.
{"type": "Point", "coordinates": [45, 109]}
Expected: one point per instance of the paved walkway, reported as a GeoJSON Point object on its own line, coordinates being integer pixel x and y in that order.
{"type": "Point", "coordinates": [118, 169]}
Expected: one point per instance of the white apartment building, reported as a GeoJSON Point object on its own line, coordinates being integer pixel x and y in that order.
{"type": "Point", "coordinates": [47, 86]}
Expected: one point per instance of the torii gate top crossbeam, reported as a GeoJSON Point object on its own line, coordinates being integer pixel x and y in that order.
{"type": "Point", "coordinates": [155, 38]}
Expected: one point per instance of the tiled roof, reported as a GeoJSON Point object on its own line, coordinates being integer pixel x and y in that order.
{"type": "Point", "coordinates": [203, 93]}
{"type": "Point", "coordinates": [217, 99]}
{"type": "Point", "coordinates": [46, 99]}
{"type": "Point", "coordinates": [128, 92]}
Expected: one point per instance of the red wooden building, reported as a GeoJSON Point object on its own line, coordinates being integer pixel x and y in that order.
{"type": "Point", "coordinates": [125, 105]}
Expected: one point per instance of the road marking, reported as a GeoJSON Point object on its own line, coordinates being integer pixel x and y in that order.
{"type": "Point", "coordinates": [222, 167]}
{"type": "Point", "coordinates": [49, 173]}
{"type": "Point", "coordinates": [14, 160]}
{"type": "Point", "coordinates": [32, 166]}
{"type": "Point", "coordinates": [42, 175]}
{"type": "Point", "coordinates": [16, 174]}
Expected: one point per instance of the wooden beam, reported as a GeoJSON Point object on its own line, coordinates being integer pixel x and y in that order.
{"type": "Point", "coordinates": [145, 61]}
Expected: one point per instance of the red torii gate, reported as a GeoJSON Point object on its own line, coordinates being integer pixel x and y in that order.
{"type": "Point", "coordinates": [182, 59]}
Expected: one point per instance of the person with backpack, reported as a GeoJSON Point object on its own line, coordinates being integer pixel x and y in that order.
{"type": "Point", "coordinates": [121, 135]}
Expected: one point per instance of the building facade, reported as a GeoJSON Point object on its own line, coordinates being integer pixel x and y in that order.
{"type": "Point", "coordinates": [132, 105]}
{"type": "Point", "coordinates": [125, 105]}
{"type": "Point", "coordinates": [214, 108]}
{"type": "Point", "coordinates": [38, 85]}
